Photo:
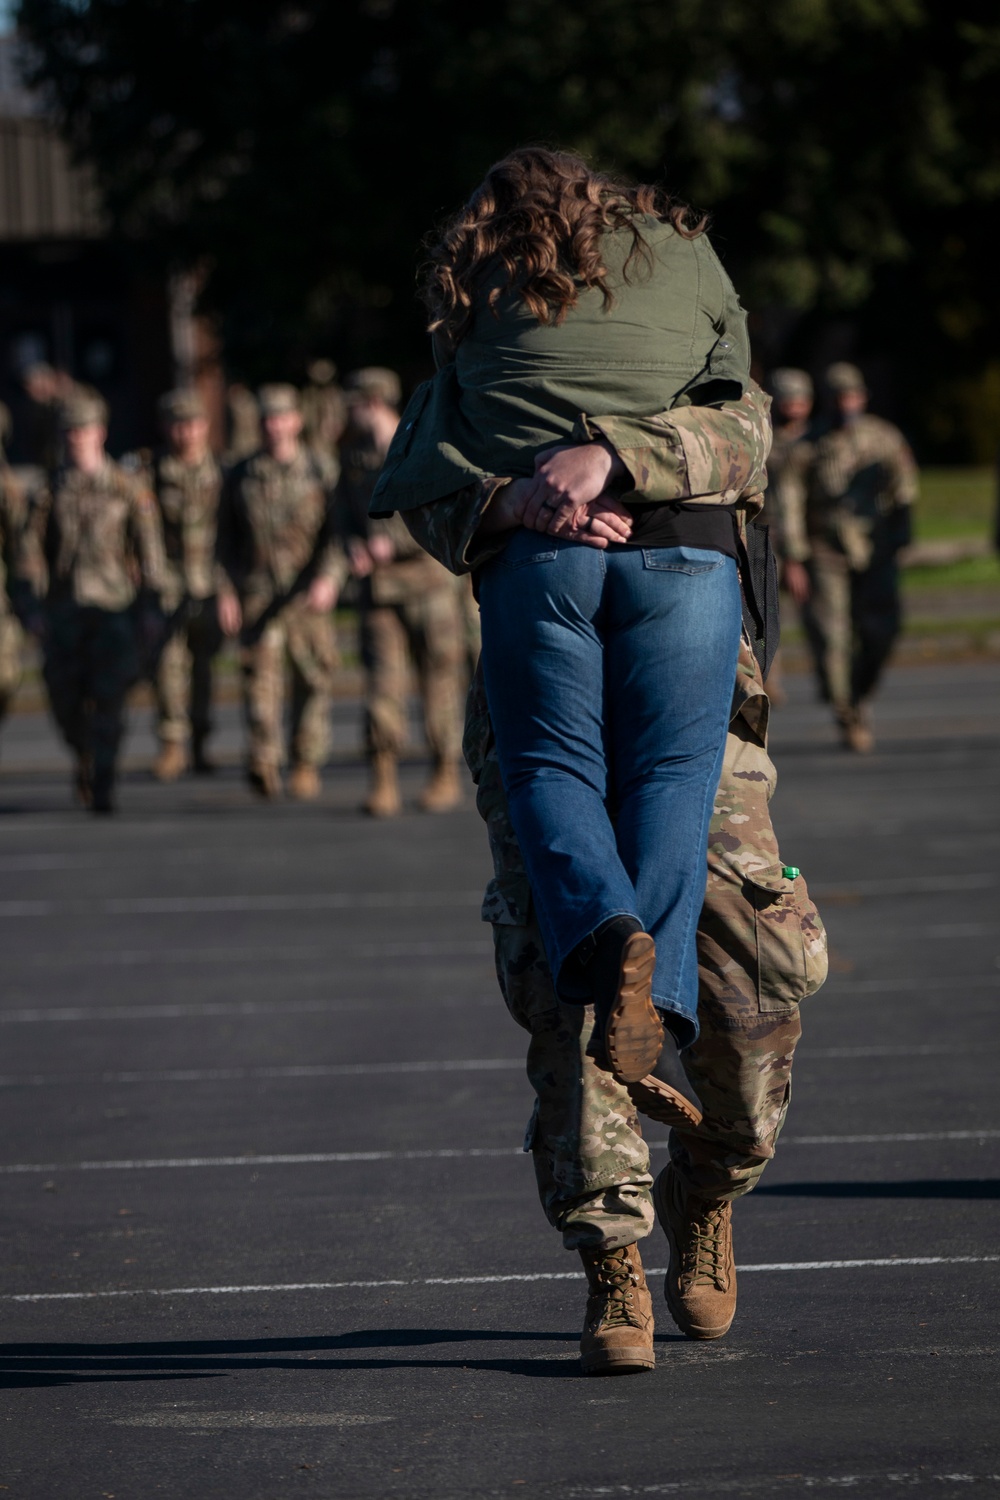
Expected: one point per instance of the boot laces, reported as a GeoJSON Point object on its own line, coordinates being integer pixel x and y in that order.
{"type": "Point", "coordinates": [615, 1282]}
{"type": "Point", "coordinates": [704, 1252]}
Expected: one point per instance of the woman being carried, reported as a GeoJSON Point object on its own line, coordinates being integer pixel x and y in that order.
{"type": "Point", "coordinates": [610, 627]}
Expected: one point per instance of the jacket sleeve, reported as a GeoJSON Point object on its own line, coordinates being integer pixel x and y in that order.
{"type": "Point", "coordinates": [447, 528]}
{"type": "Point", "coordinates": [31, 569]}
{"type": "Point", "coordinates": [147, 535]}
{"type": "Point", "coordinates": [790, 496]}
{"type": "Point", "coordinates": [713, 454]}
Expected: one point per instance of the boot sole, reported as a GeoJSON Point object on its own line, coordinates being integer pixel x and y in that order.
{"type": "Point", "coordinates": [633, 1035]}
{"type": "Point", "coordinates": [659, 1102]}
{"type": "Point", "coordinates": [675, 1307]}
{"type": "Point", "coordinates": [618, 1362]}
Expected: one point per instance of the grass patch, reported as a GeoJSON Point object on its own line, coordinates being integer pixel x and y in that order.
{"type": "Point", "coordinates": [974, 572]}
{"type": "Point", "coordinates": [956, 502]}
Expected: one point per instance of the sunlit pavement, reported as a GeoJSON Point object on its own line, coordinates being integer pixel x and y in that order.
{"type": "Point", "coordinates": [269, 1229]}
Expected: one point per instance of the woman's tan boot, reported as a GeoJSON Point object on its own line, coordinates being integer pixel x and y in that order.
{"type": "Point", "coordinates": [384, 800]}
{"type": "Point", "coordinates": [617, 1335]}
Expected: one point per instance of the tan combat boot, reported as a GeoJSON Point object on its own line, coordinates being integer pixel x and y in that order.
{"type": "Point", "coordinates": [444, 790]}
{"type": "Point", "coordinates": [855, 732]}
{"type": "Point", "coordinates": [617, 1336]}
{"type": "Point", "coordinates": [171, 763]}
{"type": "Point", "coordinates": [384, 800]}
{"type": "Point", "coordinates": [265, 781]}
{"type": "Point", "coordinates": [304, 783]}
{"type": "Point", "coordinates": [701, 1281]}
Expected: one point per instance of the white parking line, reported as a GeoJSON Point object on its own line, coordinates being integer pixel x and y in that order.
{"type": "Point", "coordinates": [890, 1262]}
{"type": "Point", "coordinates": [168, 906]}
{"type": "Point", "coordinates": [39, 1014]}
{"type": "Point", "coordinates": [333, 1158]}
{"type": "Point", "coordinates": [226, 1075]}
{"type": "Point", "coordinates": [364, 1070]}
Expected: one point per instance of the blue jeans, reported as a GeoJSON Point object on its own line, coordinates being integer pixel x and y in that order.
{"type": "Point", "coordinates": [610, 677]}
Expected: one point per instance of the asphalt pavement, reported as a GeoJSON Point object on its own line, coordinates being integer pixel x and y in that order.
{"type": "Point", "coordinates": [268, 1227]}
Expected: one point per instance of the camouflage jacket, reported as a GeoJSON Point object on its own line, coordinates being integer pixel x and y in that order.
{"type": "Point", "coordinates": [412, 573]}
{"type": "Point", "coordinates": [93, 539]}
{"type": "Point", "coordinates": [837, 487]}
{"type": "Point", "coordinates": [188, 498]}
{"type": "Point", "coordinates": [276, 530]}
{"type": "Point", "coordinates": [790, 450]}
{"type": "Point", "coordinates": [12, 514]}
{"type": "Point", "coordinates": [719, 453]}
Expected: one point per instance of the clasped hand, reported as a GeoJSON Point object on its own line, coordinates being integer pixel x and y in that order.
{"type": "Point", "coordinates": [567, 496]}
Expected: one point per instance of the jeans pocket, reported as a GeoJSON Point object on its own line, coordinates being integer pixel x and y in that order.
{"type": "Point", "coordinates": [790, 940]}
{"type": "Point", "coordinates": [682, 559]}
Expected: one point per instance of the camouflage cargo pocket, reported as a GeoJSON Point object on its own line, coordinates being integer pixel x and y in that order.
{"type": "Point", "coordinates": [790, 938]}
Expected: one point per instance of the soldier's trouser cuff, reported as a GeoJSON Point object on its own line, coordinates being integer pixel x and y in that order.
{"type": "Point", "coordinates": [614, 1216]}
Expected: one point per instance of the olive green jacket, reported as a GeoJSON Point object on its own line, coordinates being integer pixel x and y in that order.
{"type": "Point", "coordinates": [675, 332]}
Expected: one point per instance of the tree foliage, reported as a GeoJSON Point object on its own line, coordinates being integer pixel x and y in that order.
{"type": "Point", "coordinates": [849, 150]}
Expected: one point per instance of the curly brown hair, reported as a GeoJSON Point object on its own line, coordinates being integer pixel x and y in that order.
{"type": "Point", "coordinates": [540, 214]}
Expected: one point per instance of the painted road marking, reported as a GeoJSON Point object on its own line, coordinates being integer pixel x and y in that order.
{"type": "Point", "coordinates": [364, 1070]}
{"type": "Point", "coordinates": [332, 1158]}
{"type": "Point", "coordinates": [890, 1262]}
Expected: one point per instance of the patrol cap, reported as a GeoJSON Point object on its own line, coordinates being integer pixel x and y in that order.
{"type": "Point", "coordinates": [788, 384]}
{"type": "Point", "coordinates": [374, 382]}
{"type": "Point", "coordinates": [275, 399]}
{"type": "Point", "coordinates": [181, 405]}
{"type": "Point", "coordinates": [844, 377]}
{"type": "Point", "coordinates": [83, 409]}
{"type": "Point", "coordinates": [321, 371]}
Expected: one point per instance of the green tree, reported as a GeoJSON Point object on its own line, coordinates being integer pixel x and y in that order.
{"type": "Point", "coordinates": [849, 150]}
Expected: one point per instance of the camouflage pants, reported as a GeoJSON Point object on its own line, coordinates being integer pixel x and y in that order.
{"type": "Point", "coordinates": [851, 620]}
{"type": "Point", "coordinates": [91, 661]}
{"type": "Point", "coordinates": [761, 949]}
{"type": "Point", "coordinates": [307, 642]}
{"type": "Point", "coordinates": [11, 662]}
{"type": "Point", "coordinates": [428, 630]}
{"type": "Point", "coordinates": [183, 683]}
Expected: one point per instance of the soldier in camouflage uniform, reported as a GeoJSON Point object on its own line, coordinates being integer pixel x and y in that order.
{"type": "Point", "coordinates": [409, 610]}
{"type": "Point", "coordinates": [282, 572]}
{"type": "Point", "coordinates": [89, 535]}
{"type": "Point", "coordinates": [187, 482]}
{"type": "Point", "coordinates": [324, 410]}
{"type": "Point", "coordinates": [12, 512]}
{"type": "Point", "coordinates": [845, 499]}
{"type": "Point", "coordinates": [792, 395]}
{"type": "Point", "coordinates": [761, 950]}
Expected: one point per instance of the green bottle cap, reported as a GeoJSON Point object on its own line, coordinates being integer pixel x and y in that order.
{"type": "Point", "coordinates": [791, 872]}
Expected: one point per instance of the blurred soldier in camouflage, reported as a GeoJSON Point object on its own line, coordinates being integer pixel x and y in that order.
{"type": "Point", "coordinates": [282, 573]}
{"type": "Point", "coordinates": [187, 482]}
{"type": "Point", "coordinates": [90, 535]}
{"type": "Point", "coordinates": [761, 950]}
{"type": "Point", "coordinates": [845, 499]}
{"type": "Point", "coordinates": [12, 512]}
{"type": "Point", "coordinates": [324, 410]}
{"type": "Point", "coordinates": [409, 608]}
{"type": "Point", "coordinates": [792, 403]}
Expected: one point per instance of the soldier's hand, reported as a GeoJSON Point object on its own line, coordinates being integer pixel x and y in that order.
{"type": "Point", "coordinates": [565, 480]}
{"type": "Point", "coordinates": [795, 578]}
{"type": "Point", "coordinates": [322, 595]}
{"type": "Point", "coordinates": [359, 557]}
{"type": "Point", "coordinates": [382, 548]}
{"type": "Point", "coordinates": [230, 614]}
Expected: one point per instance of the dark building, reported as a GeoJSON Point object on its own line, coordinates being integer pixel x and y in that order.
{"type": "Point", "coordinates": [70, 296]}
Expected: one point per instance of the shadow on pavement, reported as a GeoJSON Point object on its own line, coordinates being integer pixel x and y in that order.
{"type": "Point", "coordinates": [45, 1364]}
{"type": "Point", "coordinates": [973, 1187]}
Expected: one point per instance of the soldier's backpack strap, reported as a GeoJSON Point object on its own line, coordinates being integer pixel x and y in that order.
{"type": "Point", "coordinates": [759, 576]}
